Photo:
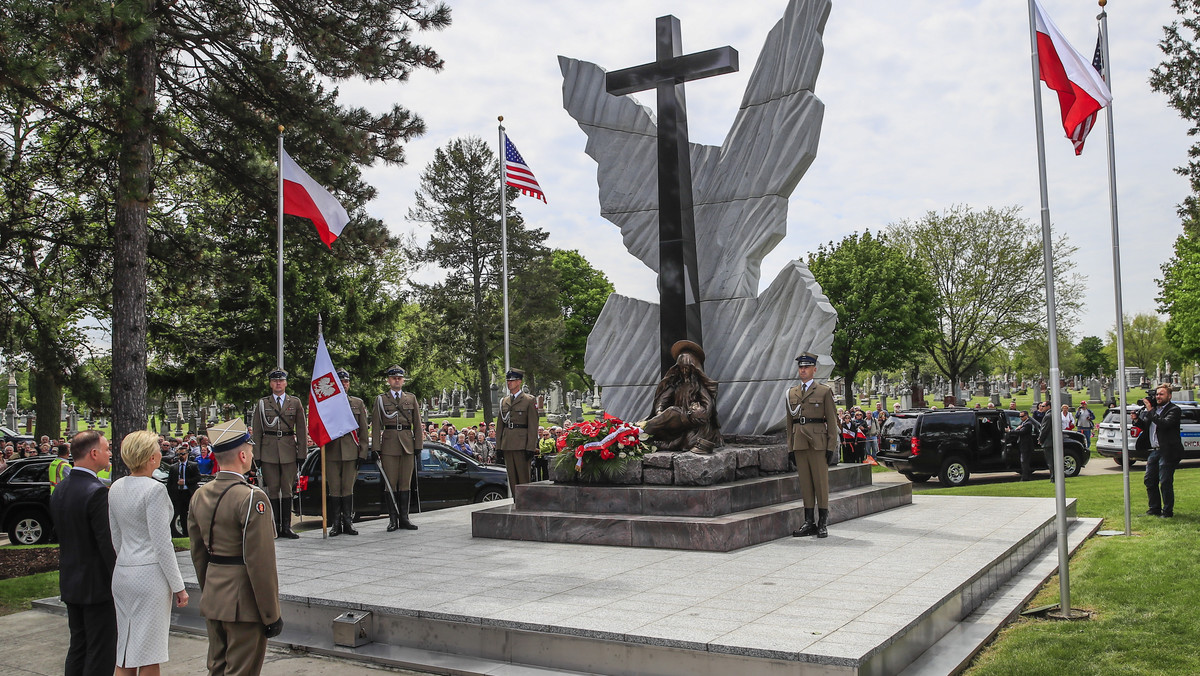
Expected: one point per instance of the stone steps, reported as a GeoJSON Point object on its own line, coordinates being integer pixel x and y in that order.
{"type": "Point", "coordinates": [717, 518]}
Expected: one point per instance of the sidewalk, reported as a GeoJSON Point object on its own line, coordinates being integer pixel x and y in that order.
{"type": "Point", "coordinates": [35, 644]}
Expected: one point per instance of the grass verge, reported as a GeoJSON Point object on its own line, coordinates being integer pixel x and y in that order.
{"type": "Point", "coordinates": [1142, 589]}
{"type": "Point", "coordinates": [17, 593]}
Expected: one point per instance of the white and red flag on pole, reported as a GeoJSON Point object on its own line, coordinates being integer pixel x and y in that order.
{"type": "Point", "coordinates": [329, 414]}
{"type": "Point", "coordinates": [304, 197]}
{"type": "Point", "coordinates": [1081, 88]}
{"type": "Point", "coordinates": [518, 174]}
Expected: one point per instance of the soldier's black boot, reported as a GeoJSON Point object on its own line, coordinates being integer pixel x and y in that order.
{"type": "Point", "coordinates": [335, 516]}
{"type": "Point", "coordinates": [809, 527]}
{"type": "Point", "coordinates": [275, 515]}
{"type": "Point", "coordinates": [348, 515]}
{"type": "Point", "coordinates": [393, 513]}
{"type": "Point", "coordinates": [285, 520]}
{"type": "Point", "coordinates": [404, 522]}
{"type": "Point", "coordinates": [823, 523]}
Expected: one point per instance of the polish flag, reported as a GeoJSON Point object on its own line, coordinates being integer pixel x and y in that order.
{"type": "Point", "coordinates": [304, 197]}
{"type": "Point", "coordinates": [329, 413]}
{"type": "Point", "coordinates": [1081, 89]}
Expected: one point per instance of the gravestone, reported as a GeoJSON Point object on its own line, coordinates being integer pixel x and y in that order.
{"type": "Point", "coordinates": [456, 412]}
{"type": "Point", "coordinates": [740, 191]}
{"type": "Point", "coordinates": [494, 393]}
{"type": "Point", "coordinates": [72, 421]}
{"type": "Point", "coordinates": [1094, 389]}
{"type": "Point", "coordinates": [470, 406]}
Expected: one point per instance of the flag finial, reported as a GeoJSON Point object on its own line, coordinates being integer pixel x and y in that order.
{"type": "Point", "coordinates": [281, 129]}
{"type": "Point", "coordinates": [500, 117]}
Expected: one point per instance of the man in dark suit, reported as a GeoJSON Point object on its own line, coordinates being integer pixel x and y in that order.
{"type": "Point", "coordinates": [79, 507]}
{"type": "Point", "coordinates": [1024, 434]}
{"type": "Point", "coordinates": [183, 478]}
{"type": "Point", "coordinates": [1159, 423]}
{"type": "Point", "coordinates": [1046, 434]}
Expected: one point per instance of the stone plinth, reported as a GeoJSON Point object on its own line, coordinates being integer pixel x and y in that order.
{"type": "Point", "coordinates": [721, 517]}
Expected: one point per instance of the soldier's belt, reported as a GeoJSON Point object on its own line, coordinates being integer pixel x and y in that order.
{"type": "Point", "coordinates": [805, 421]}
{"type": "Point", "coordinates": [397, 427]}
{"type": "Point", "coordinates": [227, 560]}
{"type": "Point", "coordinates": [514, 426]}
{"type": "Point", "coordinates": [278, 434]}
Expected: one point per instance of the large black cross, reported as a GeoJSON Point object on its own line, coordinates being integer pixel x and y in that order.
{"type": "Point", "coordinates": [678, 279]}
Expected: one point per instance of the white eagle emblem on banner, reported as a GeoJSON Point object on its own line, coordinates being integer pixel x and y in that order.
{"type": "Point", "coordinates": [325, 387]}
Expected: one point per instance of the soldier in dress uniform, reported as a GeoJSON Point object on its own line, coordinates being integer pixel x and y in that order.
{"type": "Point", "coordinates": [516, 435]}
{"type": "Point", "coordinates": [281, 436]}
{"type": "Point", "coordinates": [232, 533]}
{"type": "Point", "coordinates": [341, 463]}
{"type": "Point", "coordinates": [812, 429]}
{"type": "Point", "coordinates": [396, 435]}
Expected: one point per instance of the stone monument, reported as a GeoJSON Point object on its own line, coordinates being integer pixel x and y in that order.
{"type": "Point", "coordinates": [740, 193]}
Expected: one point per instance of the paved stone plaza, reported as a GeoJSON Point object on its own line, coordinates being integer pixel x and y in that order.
{"type": "Point", "coordinates": [839, 604]}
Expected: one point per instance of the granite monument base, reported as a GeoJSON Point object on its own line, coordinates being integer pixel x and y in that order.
{"type": "Point", "coordinates": [716, 518]}
{"type": "Point", "coordinates": [914, 590]}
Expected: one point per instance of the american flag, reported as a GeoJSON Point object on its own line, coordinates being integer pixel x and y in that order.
{"type": "Point", "coordinates": [1079, 135]}
{"type": "Point", "coordinates": [517, 173]}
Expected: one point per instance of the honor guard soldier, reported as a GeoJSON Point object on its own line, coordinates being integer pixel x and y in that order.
{"type": "Point", "coordinates": [812, 429]}
{"type": "Point", "coordinates": [341, 464]}
{"type": "Point", "coordinates": [516, 436]}
{"type": "Point", "coordinates": [280, 433]}
{"type": "Point", "coordinates": [232, 533]}
{"type": "Point", "coordinates": [396, 435]}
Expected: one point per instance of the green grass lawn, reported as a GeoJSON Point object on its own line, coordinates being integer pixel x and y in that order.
{"type": "Point", "coordinates": [16, 593]}
{"type": "Point", "coordinates": [1144, 590]}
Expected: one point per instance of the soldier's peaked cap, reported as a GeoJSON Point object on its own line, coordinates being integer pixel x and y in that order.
{"type": "Point", "coordinates": [514, 374]}
{"type": "Point", "coordinates": [229, 435]}
{"type": "Point", "coordinates": [343, 374]}
{"type": "Point", "coordinates": [395, 371]}
{"type": "Point", "coordinates": [807, 359]}
{"type": "Point", "coordinates": [277, 374]}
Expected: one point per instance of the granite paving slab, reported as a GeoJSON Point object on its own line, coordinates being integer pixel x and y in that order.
{"type": "Point", "coordinates": [834, 601]}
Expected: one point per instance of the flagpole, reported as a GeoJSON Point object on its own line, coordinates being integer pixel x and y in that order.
{"type": "Point", "coordinates": [1116, 248]}
{"type": "Point", "coordinates": [504, 240]}
{"type": "Point", "coordinates": [324, 474]}
{"type": "Point", "coordinates": [1060, 489]}
{"type": "Point", "coordinates": [279, 261]}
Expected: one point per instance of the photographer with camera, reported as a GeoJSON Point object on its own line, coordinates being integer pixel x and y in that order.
{"type": "Point", "coordinates": [1159, 423]}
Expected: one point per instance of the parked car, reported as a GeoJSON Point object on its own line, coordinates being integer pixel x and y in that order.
{"type": "Point", "coordinates": [1108, 433]}
{"type": "Point", "coordinates": [7, 434]}
{"type": "Point", "coordinates": [952, 444]}
{"type": "Point", "coordinates": [445, 478]}
{"type": "Point", "coordinates": [25, 501]}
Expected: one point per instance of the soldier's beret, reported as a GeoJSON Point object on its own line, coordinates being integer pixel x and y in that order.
{"type": "Point", "coordinates": [395, 371]}
{"type": "Point", "coordinates": [514, 374]}
{"type": "Point", "coordinates": [807, 359]}
{"type": "Point", "coordinates": [277, 374]}
{"type": "Point", "coordinates": [343, 374]}
{"type": "Point", "coordinates": [229, 435]}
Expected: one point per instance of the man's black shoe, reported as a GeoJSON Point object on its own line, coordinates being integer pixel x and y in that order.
{"type": "Point", "coordinates": [809, 528]}
{"type": "Point", "coordinates": [1153, 512]}
{"type": "Point", "coordinates": [1166, 515]}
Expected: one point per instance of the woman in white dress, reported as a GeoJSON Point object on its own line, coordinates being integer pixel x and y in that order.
{"type": "Point", "coordinates": [146, 579]}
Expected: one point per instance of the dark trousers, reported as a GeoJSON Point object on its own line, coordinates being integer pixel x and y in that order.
{"type": "Point", "coordinates": [180, 502]}
{"type": "Point", "coordinates": [1160, 482]}
{"type": "Point", "coordinates": [1049, 453]}
{"type": "Point", "coordinates": [93, 649]}
{"type": "Point", "coordinates": [1026, 454]}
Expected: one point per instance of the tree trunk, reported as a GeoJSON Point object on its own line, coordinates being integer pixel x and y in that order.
{"type": "Point", "coordinates": [47, 404]}
{"type": "Point", "coordinates": [130, 239]}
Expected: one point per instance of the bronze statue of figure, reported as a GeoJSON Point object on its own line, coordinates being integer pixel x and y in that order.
{"type": "Point", "coordinates": [685, 405]}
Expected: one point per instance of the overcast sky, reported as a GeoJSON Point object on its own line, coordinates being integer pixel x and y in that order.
{"type": "Point", "coordinates": [928, 104]}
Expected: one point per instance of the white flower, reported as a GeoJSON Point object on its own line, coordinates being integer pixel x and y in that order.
{"type": "Point", "coordinates": [624, 454]}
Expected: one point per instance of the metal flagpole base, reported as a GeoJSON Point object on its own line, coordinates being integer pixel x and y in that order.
{"type": "Point", "coordinates": [1054, 612]}
{"type": "Point", "coordinates": [1110, 533]}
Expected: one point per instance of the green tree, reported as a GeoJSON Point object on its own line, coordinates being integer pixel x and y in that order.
{"type": "Point", "coordinates": [1033, 356]}
{"type": "Point", "coordinates": [1092, 358]}
{"type": "Point", "coordinates": [1176, 77]}
{"type": "Point", "coordinates": [884, 301]}
{"type": "Point", "coordinates": [987, 269]}
{"type": "Point", "coordinates": [1145, 342]}
{"type": "Point", "coordinates": [210, 80]}
{"type": "Point", "coordinates": [583, 290]}
{"type": "Point", "coordinates": [460, 200]}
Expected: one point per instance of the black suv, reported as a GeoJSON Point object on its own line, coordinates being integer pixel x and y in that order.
{"type": "Point", "coordinates": [25, 501]}
{"type": "Point", "coordinates": [954, 443]}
